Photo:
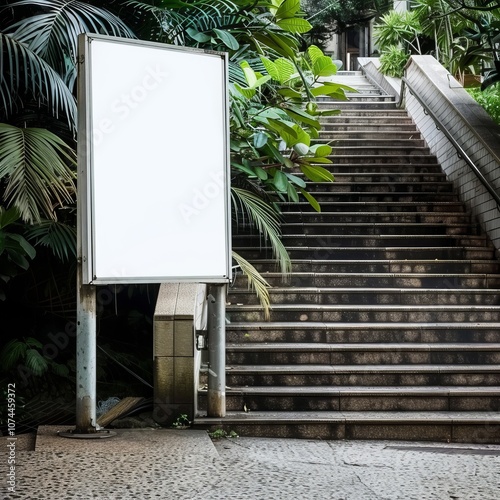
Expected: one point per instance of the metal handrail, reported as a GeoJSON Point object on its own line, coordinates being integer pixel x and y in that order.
{"type": "Point", "coordinates": [440, 126]}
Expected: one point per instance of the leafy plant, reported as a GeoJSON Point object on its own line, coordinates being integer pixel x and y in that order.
{"type": "Point", "coordinates": [393, 61]}
{"type": "Point", "coordinates": [14, 249]}
{"type": "Point", "coordinates": [221, 434]}
{"type": "Point", "coordinates": [489, 99]}
{"type": "Point", "coordinates": [181, 422]}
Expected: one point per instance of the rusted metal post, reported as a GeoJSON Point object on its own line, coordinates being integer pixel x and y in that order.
{"type": "Point", "coordinates": [216, 350]}
{"type": "Point", "coordinates": [86, 364]}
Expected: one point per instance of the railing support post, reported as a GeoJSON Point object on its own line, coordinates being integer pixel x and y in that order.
{"type": "Point", "coordinates": [216, 350]}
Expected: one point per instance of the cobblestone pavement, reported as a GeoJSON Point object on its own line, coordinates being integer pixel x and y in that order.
{"type": "Point", "coordinates": [182, 465]}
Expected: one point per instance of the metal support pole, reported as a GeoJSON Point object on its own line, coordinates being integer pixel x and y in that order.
{"type": "Point", "coordinates": [216, 350]}
{"type": "Point", "coordinates": [86, 364]}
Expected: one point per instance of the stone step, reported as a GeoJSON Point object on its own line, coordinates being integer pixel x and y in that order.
{"type": "Point", "coordinates": [334, 333]}
{"type": "Point", "coordinates": [385, 266]}
{"type": "Point", "coordinates": [377, 206]}
{"type": "Point", "coordinates": [387, 187]}
{"type": "Point", "coordinates": [366, 140]}
{"type": "Point", "coordinates": [367, 116]}
{"type": "Point", "coordinates": [373, 217]}
{"type": "Point", "coordinates": [377, 126]}
{"type": "Point", "coordinates": [374, 290]}
{"type": "Point", "coordinates": [376, 177]}
{"type": "Point", "coordinates": [431, 375]}
{"type": "Point", "coordinates": [402, 158]}
{"type": "Point", "coordinates": [444, 426]}
{"type": "Point", "coordinates": [256, 399]}
{"type": "Point", "coordinates": [362, 313]}
{"type": "Point", "coordinates": [362, 354]}
{"type": "Point", "coordinates": [364, 104]}
{"type": "Point", "coordinates": [370, 240]}
{"type": "Point", "coordinates": [365, 253]}
{"type": "Point", "coordinates": [383, 168]}
{"type": "Point", "coordinates": [329, 197]}
{"type": "Point", "coordinates": [381, 228]}
{"type": "Point", "coordinates": [410, 150]}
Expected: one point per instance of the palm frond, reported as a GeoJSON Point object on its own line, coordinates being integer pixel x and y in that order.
{"type": "Point", "coordinates": [255, 282]}
{"type": "Point", "coordinates": [53, 34]}
{"type": "Point", "coordinates": [58, 237]}
{"type": "Point", "coordinates": [248, 205]}
{"type": "Point", "coordinates": [36, 166]}
{"type": "Point", "coordinates": [22, 72]}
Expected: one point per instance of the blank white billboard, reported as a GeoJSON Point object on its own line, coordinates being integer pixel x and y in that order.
{"type": "Point", "coordinates": [153, 163]}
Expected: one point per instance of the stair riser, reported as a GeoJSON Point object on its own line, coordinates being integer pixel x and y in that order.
{"type": "Point", "coordinates": [385, 168]}
{"type": "Point", "coordinates": [374, 206]}
{"type": "Point", "coordinates": [364, 379]}
{"type": "Point", "coordinates": [367, 316]}
{"type": "Point", "coordinates": [430, 431]}
{"type": "Point", "coordinates": [368, 297]}
{"type": "Point", "coordinates": [360, 334]}
{"type": "Point", "coordinates": [347, 229]}
{"type": "Point", "coordinates": [361, 358]}
{"type": "Point", "coordinates": [375, 125]}
{"type": "Point", "coordinates": [374, 178]}
{"type": "Point", "coordinates": [460, 267]}
{"type": "Point", "coordinates": [309, 218]}
{"type": "Point", "coordinates": [396, 152]}
{"type": "Point", "coordinates": [361, 105]}
{"type": "Point", "coordinates": [372, 241]}
{"type": "Point", "coordinates": [381, 188]}
{"type": "Point", "coordinates": [357, 403]}
{"type": "Point", "coordinates": [366, 140]}
{"type": "Point", "coordinates": [405, 158]}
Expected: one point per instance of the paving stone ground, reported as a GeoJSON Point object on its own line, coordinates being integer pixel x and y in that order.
{"type": "Point", "coordinates": [186, 464]}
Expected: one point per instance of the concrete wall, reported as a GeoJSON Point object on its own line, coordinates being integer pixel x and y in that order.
{"type": "Point", "coordinates": [179, 312]}
{"type": "Point", "coordinates": [469, 125]}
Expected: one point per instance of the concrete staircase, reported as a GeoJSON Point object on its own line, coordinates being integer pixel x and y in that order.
{"type": "Point", "coordinates": [389, 326]}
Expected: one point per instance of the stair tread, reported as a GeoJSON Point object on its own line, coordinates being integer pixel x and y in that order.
{"type": "Point", "coordinates": [365, 390]}
{"type": "Point", "coordinates": [377, 417]}
{"type": "Point", "coordinates": [283, 369]}
{"type": "Point", "coordinates": [369, 307]}
{"type": "Point", "coordinates": [312, 325]}
{"type": "Point", "coordinates": [365, 347]}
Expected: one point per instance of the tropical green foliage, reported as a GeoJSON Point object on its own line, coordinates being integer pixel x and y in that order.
{"type": "Point", "coordinates": [393, 61]}
{"type": "Point", "coordinates": [489, 99]}
{"type": "Point", "coordinates": [14, 248]}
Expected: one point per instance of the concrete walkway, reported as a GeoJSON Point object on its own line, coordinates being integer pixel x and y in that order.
{"type": "Point", "coordinates": [186, 464]}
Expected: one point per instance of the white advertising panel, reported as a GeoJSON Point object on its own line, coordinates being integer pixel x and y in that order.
{"type": "Point", "coordinates": [153, 163]}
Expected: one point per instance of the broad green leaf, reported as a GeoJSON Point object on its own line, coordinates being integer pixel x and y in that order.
{"type": "Point", "coordinates": [249, 73]}
{"type": "Point", "coordinates": [296, 180]}
{"type": "Point", "coordinates": [261, 173]}
{"type": "Point", "coordinates": [261, 80]}
{"type": "Point", "coordinates": [295, 25]}
{"type": "Point", "coordinates": [314, 53]}
{"type": "Point", "coordinates": [196, 35]}
{"type": "Point", "coordinates": [311, 199]}
{"type": "Point", "coordinates": [321, 150]}
{"type": "Point", "coordinates": [323, 66]}
{"type": "Point", "coordinates": [302, 135]}
{"type": "Point", "coordinates": [25, 246]}
{"type": "Point", "coordinates": [285, 69]}
{"type": "Point", "coordinates": [244, 91]}
{"type": "Point", "coordinates": [280, 181]}
{"type": "Point", "coordinates": [9, 216]}
{"type": "Point", "coordinates": [292, 193]}
{"type": "Point", "coordinates": [243, 168]}
{"type": "Point", "coordinates": [311, 160]}
{"type": "Point", "coordinates": [288, 9]}
{"type": "Point", "coordinates": [301, 116]}
{"type": "Point", "coordinates": [270, 68]}
{"type": "Point", "coordinates": [288, 134]}
{"type": "Point", "coordinates": [288, 92]}
{"type": "Point", "coordinates": [259, 139]}
{"type": "Point", "coordinates": [301, 149]}
{"type": "Point", "coordinates": [227, 39]}
{"type": "Point", "coordinates": [316, 173]}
